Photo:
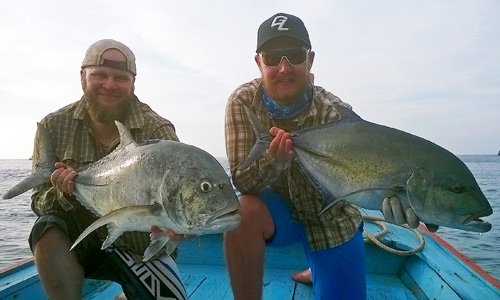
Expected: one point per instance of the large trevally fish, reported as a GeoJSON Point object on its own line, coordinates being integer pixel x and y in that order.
{"type": "Point", "coordinates": [164, 183]}
{"type": "Point", "coordinates": [362, 163]}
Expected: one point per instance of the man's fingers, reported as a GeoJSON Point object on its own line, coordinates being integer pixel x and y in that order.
{"type": "Point", "coordinates": [397, 211]}
{"type": "Point", "coordinates": [274, 131]}
{"type": "Point", "coordinates": [387, 210]}
{"type": "Point", "coordinates": [275, 143]}
{"type": "Point", "coordinates": [393, 213]}
{"type": "Point", "coordinates": [411, 218]}
{"type": "Point", "coordinates": [54, 177]}
{"type": "Point", "coordinates": [289, 147]}
{"type": "Point", "coordinates": [63, 179]}
{"type": "Point", "coordinates": [178, 237]}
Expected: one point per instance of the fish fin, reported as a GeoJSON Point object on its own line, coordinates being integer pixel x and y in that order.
{"type": "Point", "coordinates": [158, 242]}
{"type": "Point", "coordinates": [98, 223]}
{"type": "Point", "coordinates": [114, 232]}
{"type": "Point", "coordinates": [263, 139]}
{"type": "Point", "coordinates": [346, 114]}
{"type": "Point", "coordinates": [118, 217]}
{"type": "Point", "coordinates": [373, 204]}
{"type": "Point", "coordinates": [40, 177]}
{"type": "Point", "coordinates": [327, 206]}
{"type": "Point", "coordinates": [42, 170]}
{"type": "Point", "coordinates": [125, 136]}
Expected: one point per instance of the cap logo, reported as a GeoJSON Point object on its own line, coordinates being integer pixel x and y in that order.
{"type": "Point", "coordinates": [280, 22]}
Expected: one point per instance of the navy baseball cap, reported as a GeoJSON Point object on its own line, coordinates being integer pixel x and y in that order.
{"type": "Point", "coordinates": [282, 25]}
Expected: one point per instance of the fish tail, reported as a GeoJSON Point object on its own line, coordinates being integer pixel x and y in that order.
{"type": "Point", "coordinates": [34, 180]}
{"type": "Point", "coordinates": [46, 160]}
{"type": "Point", "coordinates": [263, 139]}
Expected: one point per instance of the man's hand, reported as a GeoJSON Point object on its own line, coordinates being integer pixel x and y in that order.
{"type": "Point", "coordinates": [171, 235]}
{"type": "Point", "coordinates": [63, 178]}
{"type": "Point", "coordinates": [281, 145]}
{"type": "Point", "coordinates": [393, 213]}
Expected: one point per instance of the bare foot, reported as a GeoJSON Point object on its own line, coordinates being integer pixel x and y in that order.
{"type": "Point", "coordinates": [121, 297]}
{"type": "Point", "coordinates": [303, 277]}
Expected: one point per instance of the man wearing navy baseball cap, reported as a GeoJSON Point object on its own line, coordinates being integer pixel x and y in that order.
{"type": "Point", "coordinates": [279, 204]}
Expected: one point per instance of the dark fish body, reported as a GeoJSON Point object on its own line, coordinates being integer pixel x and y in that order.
{"type": "Point", "coordinates": [362, 162]}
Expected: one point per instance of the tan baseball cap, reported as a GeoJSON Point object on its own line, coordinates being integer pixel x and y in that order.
{"type": "Point", "coordinates": [95, 51]}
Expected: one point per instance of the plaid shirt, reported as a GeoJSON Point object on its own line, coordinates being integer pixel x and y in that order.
{"type": "Point", "coordinates": [74, 144]}
{"type": "Point", "coordinates": [335, 226]}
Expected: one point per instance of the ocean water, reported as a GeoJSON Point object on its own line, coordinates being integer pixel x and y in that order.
{"type": "Point", "coordinates": [16, 217]}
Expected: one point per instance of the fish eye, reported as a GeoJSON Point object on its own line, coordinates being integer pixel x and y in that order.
{"type": "Point", "coordinates": [457, 188]}
{"type": "Point", "coordinates": [206, 186]}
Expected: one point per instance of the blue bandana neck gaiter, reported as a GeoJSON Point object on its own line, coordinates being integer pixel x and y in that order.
{"type": "Point", "coordinates": [283, 112]}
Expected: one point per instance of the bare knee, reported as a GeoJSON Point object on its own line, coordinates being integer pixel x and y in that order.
{"type": "Point", "coordinates": [54, 239]}
{"type": "Point", "coordinates": [255, 216]}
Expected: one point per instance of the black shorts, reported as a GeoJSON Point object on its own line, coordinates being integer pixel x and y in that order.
{"type": "Point", "coordinates": [136, 278]}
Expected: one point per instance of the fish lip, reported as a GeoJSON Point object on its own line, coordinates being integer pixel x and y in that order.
{"type": "Point", "coordinates": [475, 222]}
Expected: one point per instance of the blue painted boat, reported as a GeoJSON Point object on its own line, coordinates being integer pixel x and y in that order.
{"type": "Point", "coordinates": [436, 272]}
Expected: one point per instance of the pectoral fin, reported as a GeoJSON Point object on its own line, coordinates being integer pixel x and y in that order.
{"type": "Point", "coordinates": [372, 200]}
{"type": "Point", "coordinates": [119, 221]}
{"type": "Point", "coordinates": [158, 241]}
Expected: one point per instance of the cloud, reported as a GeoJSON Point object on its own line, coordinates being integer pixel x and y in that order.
{"type": "Point", "coordinates": [430, 68]}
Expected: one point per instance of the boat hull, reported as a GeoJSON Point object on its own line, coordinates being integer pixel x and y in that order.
{"type": "Point", "coordinates": [436, 272]}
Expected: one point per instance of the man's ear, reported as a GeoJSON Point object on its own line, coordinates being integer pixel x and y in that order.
{"type": "Point", "coordinates": [311, 59]}
{"type": "Point", "coordinates": [257, 60]}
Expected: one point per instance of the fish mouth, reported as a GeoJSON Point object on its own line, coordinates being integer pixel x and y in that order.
{"type": "Point", "coordinates": [225, 215]}
{"type": "Point", "coordinates": [475, 223]}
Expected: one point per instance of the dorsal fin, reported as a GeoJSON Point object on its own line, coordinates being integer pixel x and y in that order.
{"type": "Point", "coordinates": [346, 114]}
{"type": "Point", "coordinates": [125, 136]}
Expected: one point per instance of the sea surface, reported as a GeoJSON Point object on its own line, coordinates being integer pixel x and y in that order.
{"type": "Point", "coordinates": [16, 217]}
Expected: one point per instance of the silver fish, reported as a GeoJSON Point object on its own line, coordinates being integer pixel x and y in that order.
{"type": "Point", "coordinates": [163, 183]}
{"type": "Point", "coordinates": [362, 163]}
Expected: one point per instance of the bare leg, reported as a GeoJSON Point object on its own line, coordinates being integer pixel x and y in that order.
{"type": "Point", "coordinates": [59, 270]}
{"type": "Point", "coordinates": [245, 248]}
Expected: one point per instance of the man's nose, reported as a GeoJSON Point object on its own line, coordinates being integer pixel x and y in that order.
{"type": "Point", "coordinates": [110, 83]}
{"type": "Point", "coordinates": [285, 65]}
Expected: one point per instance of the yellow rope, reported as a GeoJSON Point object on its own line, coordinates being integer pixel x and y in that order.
{"type": "Point", "coordinates": [375, 239]}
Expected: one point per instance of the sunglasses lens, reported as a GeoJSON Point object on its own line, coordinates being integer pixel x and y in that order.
{"type": "Point", "coordinates": [294, 56]}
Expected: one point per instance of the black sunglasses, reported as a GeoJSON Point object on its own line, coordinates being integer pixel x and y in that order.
{"type": "Point", "coordinates": [294, 56]}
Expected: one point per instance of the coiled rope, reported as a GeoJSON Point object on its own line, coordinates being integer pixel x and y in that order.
{"type": "Point", "coordinates": [375, 239]}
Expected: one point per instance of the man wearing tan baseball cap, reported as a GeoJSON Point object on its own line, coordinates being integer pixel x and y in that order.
{"type": "Point", "coordinates": [82, 133]}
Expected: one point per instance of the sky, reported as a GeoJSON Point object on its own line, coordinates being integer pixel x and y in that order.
{"type": "Point", "coordinates": [430, 68]}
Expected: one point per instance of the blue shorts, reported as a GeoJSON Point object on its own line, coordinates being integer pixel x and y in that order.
{"type": "Point", "coordinates": [337, 273]}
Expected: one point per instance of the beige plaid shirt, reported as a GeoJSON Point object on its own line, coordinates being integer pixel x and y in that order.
{"type": "Point", "coordinates": [335, 226]}
{"type": "Point", "coordinates": [74, 144]}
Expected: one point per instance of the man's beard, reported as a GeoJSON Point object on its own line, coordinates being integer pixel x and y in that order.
{"type": "Point", "coordinates": [285, 99]}
{"type": "Point", "coordinates": [102, 114]}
